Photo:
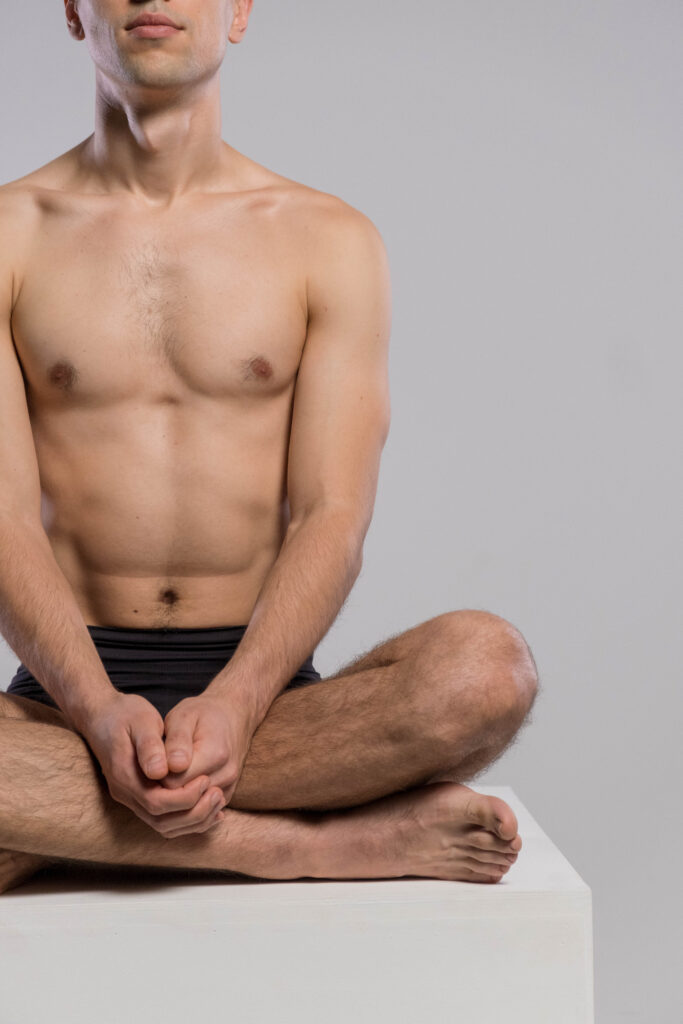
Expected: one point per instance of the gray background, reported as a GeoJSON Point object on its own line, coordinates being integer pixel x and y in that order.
{"type": "Point", "coordinates": [523, 166]}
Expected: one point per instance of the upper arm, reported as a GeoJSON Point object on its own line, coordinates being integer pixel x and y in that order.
{"type": "Point", "coordinates": [19, 475]}
{"type": "Point", "coordinates": [341, 411]}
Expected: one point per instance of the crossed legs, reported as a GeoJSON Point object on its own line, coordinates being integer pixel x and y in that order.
{"type": "Point", "coordinates": [440, 701]}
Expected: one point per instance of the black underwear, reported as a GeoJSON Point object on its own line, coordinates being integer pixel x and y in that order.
{"type": "Point", "coordinates": [162, 665]}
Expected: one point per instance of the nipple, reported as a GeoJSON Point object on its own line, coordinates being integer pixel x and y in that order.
{"type": "Point", "coordinates": [63, 375]}
{"type": "Point", "coordinates": [261, 367]}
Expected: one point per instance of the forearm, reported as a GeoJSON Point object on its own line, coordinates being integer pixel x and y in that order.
{"type": "Point", "coordinates": [301, 597]}
{"type": "Point", "coordinates": [42, 623]}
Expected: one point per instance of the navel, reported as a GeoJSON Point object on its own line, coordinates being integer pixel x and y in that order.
{"type": "Point", "coordinates": [169, 596]}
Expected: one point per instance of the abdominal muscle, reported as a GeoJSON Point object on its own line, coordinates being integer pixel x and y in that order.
{"type": "Point", "coordinates": [167, 514]}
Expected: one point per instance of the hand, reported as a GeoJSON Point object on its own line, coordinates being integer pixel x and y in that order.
{"type": "Point", "coordinates": [207, 736]}
{"type": "Point", "coordinates": [125, 735]}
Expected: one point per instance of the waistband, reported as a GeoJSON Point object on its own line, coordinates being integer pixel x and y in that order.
{"type": "Point", "coordinates": [128, 652]}
{"type": "Point", "coordinates": [167, 637]}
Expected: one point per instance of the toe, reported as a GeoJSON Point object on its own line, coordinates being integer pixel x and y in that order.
{"type": "Point", "coordinates": [487, 841]}
{"type": "Point", "coordinates": [486, 857]}
{"type": "Point", "coordinates": [483, 873]}
{"type": "Point", "coordinates": [504, 820]}
{"type": "Point", "coordinates": [493, 814]}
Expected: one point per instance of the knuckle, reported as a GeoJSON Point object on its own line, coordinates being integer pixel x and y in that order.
{"type": "Point", "coordinates": [158, 825]}
{"type": "Point", "coordinates": [222, 755]}
{"type": "Point", "coordinates": [151, 805]}
{"type": "Point", "coordinates": [170, 783]}
{"type": "Point", "coordinates": [209, 820]}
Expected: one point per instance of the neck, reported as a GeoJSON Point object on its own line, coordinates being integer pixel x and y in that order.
{"type": "Point", "coordinates": [158, 148]}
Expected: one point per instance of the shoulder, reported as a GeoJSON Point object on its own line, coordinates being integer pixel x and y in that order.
{"type": "Point", "coordinates": [330, 221]}
{"type": "Point", "coordinates": [337, 246]}
{"type": "Point", "coordinates": [53, 176]}
{"type": "Point", "coordinates": [316, 218]}
{"type": "Point", "coordinates": [340, 247]}
{"type": "Point", "coordinates": [23, 201]}
{"type": "Point", "coordinates": [19, 218]}
{"type": "Point", "coordinates": [343, 257]}
{"type": "Point", "coordinates": [18, 205]}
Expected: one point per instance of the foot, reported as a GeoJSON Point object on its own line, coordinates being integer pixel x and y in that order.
{"type": "Point", "coordinates": [444, 830]}
{"type": "Point", "coordinates": [17, 867]}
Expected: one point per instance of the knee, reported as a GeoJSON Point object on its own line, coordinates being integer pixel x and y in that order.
{"type": "Point", "coordinates": [12, 705]}
{"type": "Point", "coordinates": [498, 662]}
{"type": "Point", "coordinates": [7, 706]}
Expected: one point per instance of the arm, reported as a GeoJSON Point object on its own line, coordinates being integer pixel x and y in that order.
{"type": "Point", "coordinates": [340, 424]}
{"type": "Point", "coordinates": [39, 616]}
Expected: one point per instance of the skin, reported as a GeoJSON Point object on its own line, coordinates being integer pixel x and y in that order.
{"type": "Point", "coordinates": [219, 334]}
{"type": "Point", "coordinates": [157, 232]}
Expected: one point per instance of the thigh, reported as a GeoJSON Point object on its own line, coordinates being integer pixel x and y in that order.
{"type": "Point", "coordinates": [407, 644]}
{"type": "Point", "coordinates": [26, 710]}
{"type": "Point", "coordinates": [446, 633]}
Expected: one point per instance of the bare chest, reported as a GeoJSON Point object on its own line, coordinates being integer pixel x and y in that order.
{"type": "Point", "coordinates": [114, 307]}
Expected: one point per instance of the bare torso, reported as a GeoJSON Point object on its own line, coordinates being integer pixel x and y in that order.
{"type": "Point", "coordinates": [160, 351]}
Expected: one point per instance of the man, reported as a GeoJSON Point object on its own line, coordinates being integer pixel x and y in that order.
{"type": "Point", "coordinates": [193, 404]}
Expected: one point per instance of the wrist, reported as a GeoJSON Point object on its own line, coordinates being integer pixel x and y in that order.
{"type": "Point", "coordinates": [241, 695]}
{"type": "Point", "coordinates": [81, 711]}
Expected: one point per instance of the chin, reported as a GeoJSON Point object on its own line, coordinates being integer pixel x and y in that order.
{"type": "Point", "coordinates": [148, 76]}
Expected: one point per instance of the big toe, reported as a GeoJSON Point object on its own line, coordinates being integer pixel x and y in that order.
{"type": "Point", "coordinates": [495, 815]}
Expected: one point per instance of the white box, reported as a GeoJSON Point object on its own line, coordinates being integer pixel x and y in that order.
{"type": "Point", "coordinates": [126, 946]}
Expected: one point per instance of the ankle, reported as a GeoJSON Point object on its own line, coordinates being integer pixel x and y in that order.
{"type": "Point", "coordinates": [271, 844]}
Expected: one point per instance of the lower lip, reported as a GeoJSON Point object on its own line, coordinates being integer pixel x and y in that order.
{"type": "Point", "coordinates": [153, 31]}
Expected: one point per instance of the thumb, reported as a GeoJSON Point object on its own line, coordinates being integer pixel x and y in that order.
{"type": "Point", "coordinates": [178, 745]}
{"type": "Point", "coordinates": [150, 749]}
